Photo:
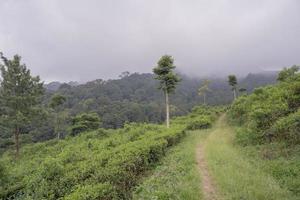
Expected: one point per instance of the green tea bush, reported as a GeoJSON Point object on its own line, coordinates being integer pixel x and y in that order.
{"type": "Point", "coordinates": [102, 164]}
{"type": "Point", "coordinates": [200, 123]}
{"type": "Point", "coordinates": [84, 122]}
{"type": "Point", "coordinates": [288, 128]}
{"type": "Point", "coordinates": [93, 192]}
{"type": "Point", "coordinates": [201, 117]}
{"type": "Point", "coordinates": [99, 164]}
{"type": "Point", "coordinates": [259, 112]}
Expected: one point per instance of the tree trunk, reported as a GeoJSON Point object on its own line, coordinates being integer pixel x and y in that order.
{"type": "Point", "coordinates": [57, 126]}
{"type": "Point", "coordinates": [167, 110]}
{"type": "Point", "coordinates": [17, 131]}
{"type": "Point", "coordinates": [234, 94]}
{"type": "Point", "coordinates": [204, 99]}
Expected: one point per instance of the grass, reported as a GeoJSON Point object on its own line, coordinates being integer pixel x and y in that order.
{"type": "Point", "coordinates": [237, 176]}
{"type": "Point", "coordinates": [280, 160]}
{"type": "Point", "coordinates": [177, 175]}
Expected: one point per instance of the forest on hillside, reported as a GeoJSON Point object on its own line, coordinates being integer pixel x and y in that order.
{"type": "Point", "coordinates": [135, 98]}
{"type": "Point", "coordinates": [131, 98]}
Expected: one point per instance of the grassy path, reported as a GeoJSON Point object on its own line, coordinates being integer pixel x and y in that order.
{"type": "Point", "coordinates": [208, 187]}
{"type": "Point", "coordinates": [177, 176]}
{"type": "Point", "coordinates": [206, 165]}
{"type": "Point", "coordinates": [237, 178]}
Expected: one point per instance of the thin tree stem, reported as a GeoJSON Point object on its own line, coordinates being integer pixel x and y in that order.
{"type": "Point", "coordinates": [167, 110]}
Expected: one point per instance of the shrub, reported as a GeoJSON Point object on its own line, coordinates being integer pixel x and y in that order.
{"type": "Point", "coordinates": [288, 128]}
{"type": "Point", "coordinates": [199, 123]}
{"type": "Point", "coordinates": [90, 166]}
{"type": "Point", "coordinates": [260, 111]}
{"type": "Point", "coordinates": [85, 122]}
{"type": "Point", "coordinates": [93, 192]}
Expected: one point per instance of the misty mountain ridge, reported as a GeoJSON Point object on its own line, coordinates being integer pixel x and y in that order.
{"type": "Point", "coordinates": [54, 85]}
{"type": "Point", "coordinates": [260, 78]}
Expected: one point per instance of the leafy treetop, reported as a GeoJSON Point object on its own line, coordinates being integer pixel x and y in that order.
{"type": "Point", "coordinates": [164, 73]}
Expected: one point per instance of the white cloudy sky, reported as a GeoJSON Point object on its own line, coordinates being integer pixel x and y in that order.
{"type": "Point", "coordinates": [84, 40]}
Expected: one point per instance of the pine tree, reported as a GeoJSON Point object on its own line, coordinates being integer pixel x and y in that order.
{"type": "Point", "coordinates": [19, 96]}
{"type": "Point", "coordinates": [168, 80]}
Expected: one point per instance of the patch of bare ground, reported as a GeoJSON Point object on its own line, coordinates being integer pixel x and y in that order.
{"type": "Point", "coordinates": [208, 188]}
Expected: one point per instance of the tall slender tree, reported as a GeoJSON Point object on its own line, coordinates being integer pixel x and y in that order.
{"type": "Point", "coordinates": [232, 81]}
{"type": "Point", "coordinates": [202, 91]}
{"type": "Point", "coordinates": [20, 95]}
{"type": "Point", "coordinates": [164, 72]}
{"type": "Point", "coordinates": [56, 104]}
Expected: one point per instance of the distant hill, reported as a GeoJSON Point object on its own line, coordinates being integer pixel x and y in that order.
{"type": "Point", "coordinates": [135, 97]}
{"type": "Point", "coordinates": [255, 80]}
{"type": "Point", "coordinates": [54, 86]}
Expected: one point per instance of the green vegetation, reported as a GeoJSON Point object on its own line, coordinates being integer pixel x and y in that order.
{"type": "Point", "coordinates": [85, 122]}
{"type": "Point", "coordinates": [236, 175]}
{"type": "Point", "coordinates": [77, 166]}
{"type": "Point", "coordinates": [264, 113]}
{"type": "Point", "coordinates": [237, 172]}
{"type": "Point", "coordinates": [99, 164]}
{"type": "Point", "coordinates": [177, 175]}
{"type": "Point", "coordinates": [269, 124]}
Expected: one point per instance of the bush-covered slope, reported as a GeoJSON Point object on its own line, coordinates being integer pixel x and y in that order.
{"type": "Point", "coordinates": [103, 164]}
{"type": "Point", "coordinates": [269, 128]}
{"type": "Point", "coordinates": [270, 113]}
{"type": "Point", "coordinates": [90, 165]}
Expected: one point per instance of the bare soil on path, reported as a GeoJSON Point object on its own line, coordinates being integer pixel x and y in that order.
{"type": "Point", "coordinates": [208, 188]}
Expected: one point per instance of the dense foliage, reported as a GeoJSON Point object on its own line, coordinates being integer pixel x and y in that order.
{"type": "Point", "coordinates": [135, 98]}
{"type": "Point", "coordinates": [201, 117]}
{"type": "Point", "coordinates": [270, 113]}
{"type": "Point", "coordinates": [270, 128]}
{"type": "Point", "coordinates": [85, 122]}
{"type": "Point", "coordinates": [101, 164]}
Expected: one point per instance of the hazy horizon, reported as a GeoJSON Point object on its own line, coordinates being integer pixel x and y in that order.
{"type": "Point", "coordinates": [75, 41]}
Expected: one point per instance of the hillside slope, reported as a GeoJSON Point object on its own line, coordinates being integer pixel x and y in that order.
{"type": "Point", "coordinates": [103, 164]}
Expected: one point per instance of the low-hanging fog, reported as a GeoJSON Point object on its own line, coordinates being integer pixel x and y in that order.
{"type": "Point", "coordinates": [84, 40]}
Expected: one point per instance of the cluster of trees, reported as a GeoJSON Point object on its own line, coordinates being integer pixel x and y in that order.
{"type": "Point", "coordinates": [22, 110]}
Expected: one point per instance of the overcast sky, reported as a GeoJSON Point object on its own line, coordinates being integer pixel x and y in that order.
{"type": "Point", "coordinates": [88, 39]}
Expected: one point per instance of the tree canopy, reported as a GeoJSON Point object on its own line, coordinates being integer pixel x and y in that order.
{"type": "Point", "coordinates": [164, 73]}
